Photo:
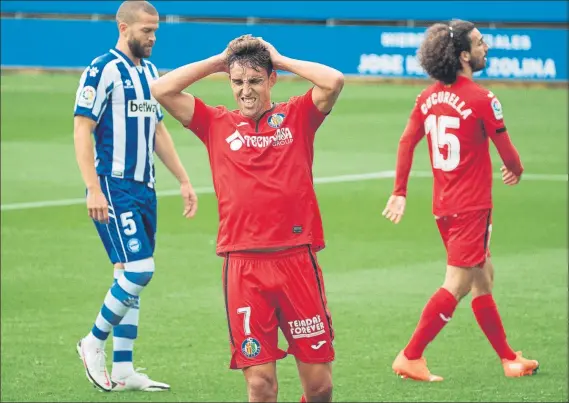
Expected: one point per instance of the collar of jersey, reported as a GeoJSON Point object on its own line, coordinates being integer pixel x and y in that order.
{"type": "Point", "coordinates": [256, 122]}
{"type": "Point", "coordinates": [125, 57]}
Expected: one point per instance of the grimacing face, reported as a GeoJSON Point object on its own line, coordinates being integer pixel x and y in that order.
{"type": "Point", "coordinates": [141, 34]}
{"type": "Point", "coordinates": [478, 51]}
{"type": "Point", "coordinates": [251, 89]}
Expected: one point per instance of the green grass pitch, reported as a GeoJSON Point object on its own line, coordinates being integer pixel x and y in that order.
{"type": "Point", "coordinates": [378, 276]}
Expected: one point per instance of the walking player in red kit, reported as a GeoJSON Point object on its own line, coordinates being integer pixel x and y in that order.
{"type": "Point", "coordinates": [458, 116]}
{"type": "Point", "coordinates": [261, 159]}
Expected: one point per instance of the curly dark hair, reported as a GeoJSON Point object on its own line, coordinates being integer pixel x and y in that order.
{"type": "Point", "coordinates": [248, 51]}
{"type": "Point", "coordinates": [439, 54]}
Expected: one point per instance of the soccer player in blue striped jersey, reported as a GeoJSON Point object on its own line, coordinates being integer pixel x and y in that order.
{"type": "Point", "coordinates": [114, 105]}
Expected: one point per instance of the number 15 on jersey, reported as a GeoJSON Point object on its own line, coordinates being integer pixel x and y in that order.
{"type": "Point", "coordinates": [437, 127]}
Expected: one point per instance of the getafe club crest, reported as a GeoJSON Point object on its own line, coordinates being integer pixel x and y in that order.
{"type": "Point", "coordinates": [250, 347]}
{"type": "Point", "coordinates": [275, 120]}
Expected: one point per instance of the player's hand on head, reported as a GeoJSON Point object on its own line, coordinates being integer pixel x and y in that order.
{"type": "Point", "coordinates": [508, 177]}
{"type": "Point", "coordinates": [190, 200]}
{"type": "Point", "coordinates": [98, 206]}
{"type": "Point", "coordinates": [275, 55]}
{"type": "Point", "coordinates": [394, 209]}
{"type": "Point", "coordinates": [223, 56]}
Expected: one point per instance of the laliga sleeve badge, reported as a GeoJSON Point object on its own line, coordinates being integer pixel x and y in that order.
{"type": "Point", "coordinates": [87, 97]}
{"type": "Point", "coordinates": [276, 120]}
{"type": "Point", "coordinates": [250, 347]}
{"type": "Point", "coordinates": [497, 109]}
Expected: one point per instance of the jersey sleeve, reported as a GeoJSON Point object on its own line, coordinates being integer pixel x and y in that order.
{"type": "Point", "coordinates": [492, 118]}
{"type": "Point", "coordinates": [95, 86]}
{"type": "Point", "coordinates": [413, 133]}
{"type": "Point", "coordinates": [492, 115]}
{"type": "Point", "coordinates": [307, 109]}
{"type": "Point", "coordinates": [159, 113]}
{"type": "Point", "coordinates": [201, 121]}
{"type": "Point", "coordinates": [155, 76]}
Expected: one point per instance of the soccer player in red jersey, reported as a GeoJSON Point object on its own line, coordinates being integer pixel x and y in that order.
{"type": "Point", "coordinates": [458, 117]}
{"type": "Point", "coordinates": [270, 228]}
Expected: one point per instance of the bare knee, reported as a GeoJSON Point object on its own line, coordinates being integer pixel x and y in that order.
{"type": "Point", "coordinates": [480, 290]}
{"type": "Point", "coordinates": [262, 384]}
{"type": "Point", "coordinates": [483, 280]}
{"type": "Point", "coordinates": [316, 381]}
{"type": "Point", "coordinates": [459, 292]}
{"type": "Point", "coordinates": [319, 392]}
{"type": "Point", "coordinates": [262, 389]}
{"type": "Point", "coordinates": [459, 281]}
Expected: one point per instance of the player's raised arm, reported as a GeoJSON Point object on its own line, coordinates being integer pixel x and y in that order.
{"type": "Point", "coordinates": [167, 153]}
{"type": "Point", "coordinates": [168, 89]}
{"type": "Point", "coordinates": [327, 80]}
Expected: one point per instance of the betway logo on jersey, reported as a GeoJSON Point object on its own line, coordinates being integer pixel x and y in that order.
{"type": "Point", "coordinates": [307, 327]}
{"type": "Point", "coordinates": [144, 108]}
{"type": "Point", "coordinates": [281, 137]}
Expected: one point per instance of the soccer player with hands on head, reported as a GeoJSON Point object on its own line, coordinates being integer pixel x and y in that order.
{"type": "Point", "coordinates": [458, 117]}
{"type": "Point", "coordinates": [114, 105]}
{"type": "Point", "coordinates": [270, 228]}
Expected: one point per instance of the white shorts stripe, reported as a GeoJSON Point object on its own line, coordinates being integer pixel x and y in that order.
{"type": "Point", "coordinates": [116, 222]}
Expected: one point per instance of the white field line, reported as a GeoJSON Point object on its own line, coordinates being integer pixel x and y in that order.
{"type": "Point", "coordinates": [325, 179]}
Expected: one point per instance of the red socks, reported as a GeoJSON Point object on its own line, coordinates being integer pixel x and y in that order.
{"type": "Point", "coordinates": [488, 318]}
{"type": "Point", "coordinates": [436, 314]}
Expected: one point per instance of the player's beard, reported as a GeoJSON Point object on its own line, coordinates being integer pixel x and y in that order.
{"type": "Point", "coordinates": [477, 64]}
{"type": "Point", "coordinates": [138, 50]}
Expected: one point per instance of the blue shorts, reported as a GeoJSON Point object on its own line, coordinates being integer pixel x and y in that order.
{"type": "Point", "coordinates": [130, 234]}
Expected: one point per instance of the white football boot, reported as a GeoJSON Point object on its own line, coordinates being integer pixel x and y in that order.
{"type": "Point", "coordinates": [138, 381]}
{"type": "Point", "coordinates": [94, 361]}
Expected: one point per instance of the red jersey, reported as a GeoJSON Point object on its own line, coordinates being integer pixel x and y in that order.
{"type": "Point", "coordinates": [458, 120]}
{"type": "Point", "coordinates": [262, 174]}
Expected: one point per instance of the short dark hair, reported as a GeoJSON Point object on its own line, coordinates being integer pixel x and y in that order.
{"type": "Point", "coordinates": [128, 10]}
{"type": "Point", "coordinates": [439, 53]}
{"type": "Point", "coordinates": [248, 51]}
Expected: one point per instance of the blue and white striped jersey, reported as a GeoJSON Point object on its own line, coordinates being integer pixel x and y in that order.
{"type": "Point", "coordinates": [115, 93]}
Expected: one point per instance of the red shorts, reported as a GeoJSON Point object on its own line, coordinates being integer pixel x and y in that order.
{"type": "Point", "coordinates": [466, 237]}
{"type": "Point", "coordinates": [265, 291]}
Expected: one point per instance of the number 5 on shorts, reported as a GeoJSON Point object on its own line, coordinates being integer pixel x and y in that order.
{"type": "Point", "coordinates": [247, 311]}
{"type": "Point", "coordinates": [128, 224]}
